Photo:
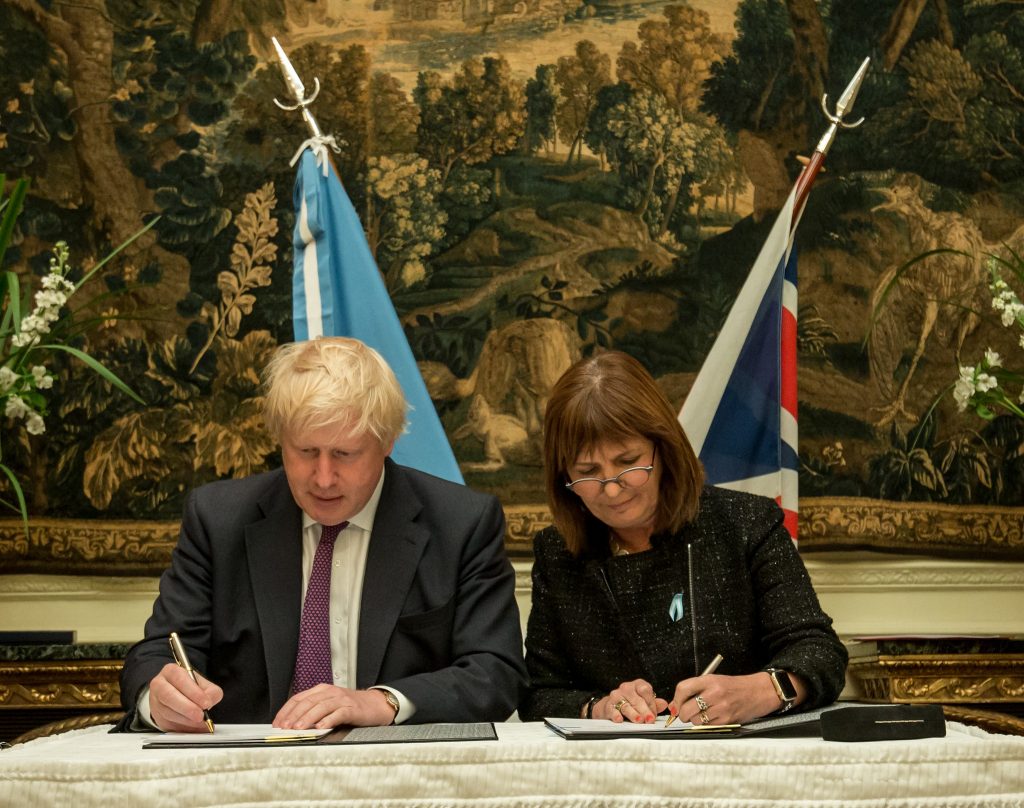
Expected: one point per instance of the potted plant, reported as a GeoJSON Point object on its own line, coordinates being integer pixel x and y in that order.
{"type": "Point", "coordinates": [32, 330]}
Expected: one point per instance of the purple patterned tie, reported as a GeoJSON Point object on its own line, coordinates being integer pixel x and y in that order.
{"type": "Point", "coordinates": [313, 662]}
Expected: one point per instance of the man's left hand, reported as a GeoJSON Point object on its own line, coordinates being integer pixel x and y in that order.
{"type": "Point", "coordinates": [326, 706]}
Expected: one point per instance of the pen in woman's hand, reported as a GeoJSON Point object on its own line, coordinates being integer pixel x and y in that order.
{"type": "Point", "coordinates": [711, 668]}
{"type": "Point", "coordinates": [712, 665]}
{"type": "Point", "coordinates": [178, 650]}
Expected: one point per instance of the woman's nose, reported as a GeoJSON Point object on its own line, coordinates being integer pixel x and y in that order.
{"type": "Point", "coordinates": [610, 491]}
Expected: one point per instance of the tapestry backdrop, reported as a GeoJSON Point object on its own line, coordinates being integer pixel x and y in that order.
{"type": "Point", "coordinates": [538, 179]}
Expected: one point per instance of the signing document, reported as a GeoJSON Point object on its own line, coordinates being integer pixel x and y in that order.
{"type": "Point", "coordinates": [235, 735]}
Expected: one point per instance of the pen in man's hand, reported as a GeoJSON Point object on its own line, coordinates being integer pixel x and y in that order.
{"type": "Point", "coordinates": [711, 668]}
{"type": "Point", "coordinates": [182, 659]}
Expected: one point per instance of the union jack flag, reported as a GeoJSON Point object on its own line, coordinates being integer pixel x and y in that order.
{"type": "Point", "coordinates": [741, 414]}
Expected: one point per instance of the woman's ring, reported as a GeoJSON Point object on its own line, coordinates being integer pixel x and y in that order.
{"type": "Point", "coordinates": [701, 704]}
{"type": "Point", "coordinates": [618, 705]}
{"type": "Point", "coordinates": [704, 717]}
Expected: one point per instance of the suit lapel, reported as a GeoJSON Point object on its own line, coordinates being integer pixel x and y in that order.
{"type": "Point", "coordinates": [274, 554]}
{"type": "Point", "coordinates": [396, 544]}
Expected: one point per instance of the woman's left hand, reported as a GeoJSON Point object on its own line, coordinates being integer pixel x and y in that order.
{"type": "Point", "coordinates": [724, 699]}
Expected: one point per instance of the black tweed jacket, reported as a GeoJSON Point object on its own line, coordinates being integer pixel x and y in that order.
{"type": "Point", "coordinates": [596, 622]}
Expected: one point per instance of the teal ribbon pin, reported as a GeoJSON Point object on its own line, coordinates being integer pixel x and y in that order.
{"type": "Point", "coordinates": [676, 610]}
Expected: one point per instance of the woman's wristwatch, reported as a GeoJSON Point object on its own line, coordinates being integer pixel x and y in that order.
{"type": "Point", "coordinates": [588, 710]}
{"type": "Point", "coordinates": [783, 688]}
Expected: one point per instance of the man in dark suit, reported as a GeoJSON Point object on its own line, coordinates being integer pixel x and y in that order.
{"type": "Point", "coordinates": [415, 597]}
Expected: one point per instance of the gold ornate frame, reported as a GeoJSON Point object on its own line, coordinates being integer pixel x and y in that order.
{"type": "Point", "coordinates": [56, 684]}
{"type": "Point", "coordinates": [941, 678]}
{"type": "Point", "coordinates": [109, 547]}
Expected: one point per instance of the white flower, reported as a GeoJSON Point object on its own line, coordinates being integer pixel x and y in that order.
{"type": "Point", "coordinates": [986, 383]}
{"type": "Point", "coordinates": [35, 424]}
{"type": "Point", "coordinates": [992, 359]}
{"type": "Point", "coordinates": [55, 282]}
{"type": "Point", "coordinates": [7, 378]}
{"type": "Point", "coordinates": [50, 298]}
{"type": "Point", "coordinates": [16, 408]}
{"type": "Point", "coordinates": [964, 388]}
{"type": "Point", "coordinates": [44, 381]}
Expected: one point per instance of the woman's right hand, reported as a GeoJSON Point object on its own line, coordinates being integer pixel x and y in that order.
{"type": "Point", "coordinates": [631, 701]}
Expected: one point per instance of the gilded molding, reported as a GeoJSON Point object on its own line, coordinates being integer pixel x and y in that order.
{"type": "Point", "coordinates": [878, 575]}
{"type": "Point", "coordinates": [843, 523]}
{"type": "Point", "coordinates": [113, 547]}
{"type": "Point", "coordinates": [523, 523]}
{"type": "Point", "coordinates": [84, 547]}
{"type": "Point", "coordinates": [88, 683]}
{"type": "Point", "coordinates": [80, 587]}
{"type": "Point", "coordinates": [972, 678]}
{"type": "Point", "coordinates": [60, 695]}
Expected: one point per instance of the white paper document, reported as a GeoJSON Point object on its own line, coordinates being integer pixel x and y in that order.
{"type": "Point", "coordinates": [578, 729]}
{"type": "Point", "coordinates": [232, 734]}
{"type": "Point", "coordinates": [603, 726]}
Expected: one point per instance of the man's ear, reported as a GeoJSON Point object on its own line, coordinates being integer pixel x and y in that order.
{"type": "Point", "coordinates": [388, 448]}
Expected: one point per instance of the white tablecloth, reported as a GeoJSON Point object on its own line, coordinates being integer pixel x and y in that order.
{"type": "Point", "coordinates": [527, 766]}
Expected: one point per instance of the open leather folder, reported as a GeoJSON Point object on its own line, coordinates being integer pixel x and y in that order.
{"type": "Point", "coordinates": [264, 735]}
{"type": "Point", "coordinates": [837, 722]}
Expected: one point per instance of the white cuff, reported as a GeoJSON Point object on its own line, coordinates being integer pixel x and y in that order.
{"type": "Point", "coordinates": [143, 718]}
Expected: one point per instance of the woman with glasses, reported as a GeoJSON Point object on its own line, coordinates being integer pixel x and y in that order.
{"type": "Point", "coordinates": [648, 575]}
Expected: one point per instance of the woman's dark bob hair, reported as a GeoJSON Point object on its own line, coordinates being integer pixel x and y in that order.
{"type": "Point", "coordinates": [612, 397]}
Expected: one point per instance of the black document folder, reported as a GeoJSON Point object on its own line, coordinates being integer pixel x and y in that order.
{"type": "Point", "coordinates": [837, 722]}
{"type": "Point", "coordinates": [402, 733]}
{"type": "Point", "coordinates": [806, 724]}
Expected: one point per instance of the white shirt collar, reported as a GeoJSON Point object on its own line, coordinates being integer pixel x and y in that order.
{"type": "Point", "coordinates": [363, 519]}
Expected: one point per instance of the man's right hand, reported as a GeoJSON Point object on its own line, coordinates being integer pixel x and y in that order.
{"type": "Point", "coordinates": [176, 703]}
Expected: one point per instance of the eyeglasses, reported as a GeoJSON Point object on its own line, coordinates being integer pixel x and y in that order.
{"type": "Point", "coordinates": [630, 478]}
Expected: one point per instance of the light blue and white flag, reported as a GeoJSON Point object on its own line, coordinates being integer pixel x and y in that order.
{"type": "Point", "coordinates": [337, 291]}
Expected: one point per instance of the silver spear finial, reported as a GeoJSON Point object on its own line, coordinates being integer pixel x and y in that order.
{"type": "Point", "coordinates": [843, 107]}
{"type": "Point", "coordinates": [298, 90]}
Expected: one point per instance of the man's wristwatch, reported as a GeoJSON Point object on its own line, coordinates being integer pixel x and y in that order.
{"type": "Point", "coordinates": [783, 688]}
{"type": "Point", "coordinates": [392, 700]}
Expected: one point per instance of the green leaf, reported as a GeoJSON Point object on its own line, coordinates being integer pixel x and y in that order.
{"type": "Point", "coordinates": [116, 250]}
{"type": "Point", "coordinates": [22, 507]}
{"type": "Point", "coordinates": [99, 368]}
{"type": "Point", "coordinates": [12, 317]}
{"type": "Point", "coordinates": [10, 212]}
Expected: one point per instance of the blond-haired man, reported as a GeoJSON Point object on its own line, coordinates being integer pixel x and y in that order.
{"type": "Point", "coordinates": [415, 595]}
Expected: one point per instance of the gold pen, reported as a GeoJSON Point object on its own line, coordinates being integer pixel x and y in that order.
{"type": "Point", "coordinates": [711, 668]}
{"type": "Point", "coordinates": [178, 650]}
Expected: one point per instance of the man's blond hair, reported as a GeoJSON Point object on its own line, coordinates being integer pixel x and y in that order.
{"type": "Point", "coordinates": [332, 381]}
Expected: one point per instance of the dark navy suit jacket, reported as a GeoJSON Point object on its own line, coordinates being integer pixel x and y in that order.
{"type": "Point", "coordinates": [438, 619]}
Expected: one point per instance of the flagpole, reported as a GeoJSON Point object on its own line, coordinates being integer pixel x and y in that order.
{"type": "Point", "coordinates": [746, 439]}
{"type": "Point", "coordinates": [836, 122]}
{"type": "Point", "coordinates": [338, 290]}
